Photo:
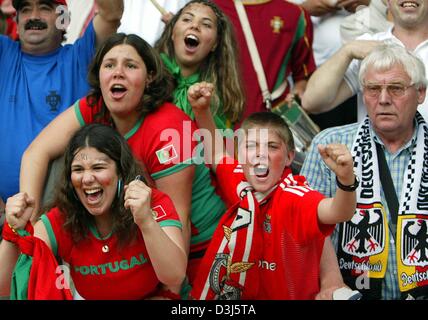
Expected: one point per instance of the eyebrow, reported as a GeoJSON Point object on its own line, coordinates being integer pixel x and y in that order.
{"type": "Point", "coordinates": [392, 82]}
{"type": "Point", "coordinates": [268, 142]}
{"type": "Point", "coordinates": [103, 158]}
{"type": "Point", "coordinates": [204, 18]}
{"type": "Point", "coordinates": [126, 60]}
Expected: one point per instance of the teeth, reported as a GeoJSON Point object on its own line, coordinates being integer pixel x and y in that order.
{"type": "Point", "coordinates": [261, 169]}
{"type": "Point", "coordinates": [92, 191]}
{"type": "Point", "coordinates": [118, 86]}
{"type": "Point", "coordinates": [409, 5]}
{"type": "Point", "coordinates": [191, 40]}
{"type": "Point", "coordinates": [193, 37]}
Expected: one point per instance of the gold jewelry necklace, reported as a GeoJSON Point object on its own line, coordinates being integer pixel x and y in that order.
{"type": "Point", "coordinates": [105, 248]}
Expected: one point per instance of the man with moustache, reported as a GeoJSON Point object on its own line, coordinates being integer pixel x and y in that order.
{"type": "Point", "coordinates": [40, 78]}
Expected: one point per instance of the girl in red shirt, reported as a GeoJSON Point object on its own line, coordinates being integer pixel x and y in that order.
{"type": "Point", "coordinates": [120, 238]}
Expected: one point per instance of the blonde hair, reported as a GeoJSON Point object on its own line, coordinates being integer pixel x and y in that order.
{"type": "Point", "coordinates": [385, 56]}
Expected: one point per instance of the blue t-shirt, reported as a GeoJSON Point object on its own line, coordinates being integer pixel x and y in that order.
{"type": "Point", "coordinates": [33, 91]}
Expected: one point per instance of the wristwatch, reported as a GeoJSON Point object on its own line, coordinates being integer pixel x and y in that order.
{"type": "Point", "coordinates": [350, 188]}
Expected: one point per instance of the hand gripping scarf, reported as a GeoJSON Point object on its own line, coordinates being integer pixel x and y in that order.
{"type": "Point", "coordinates": [36, 275]}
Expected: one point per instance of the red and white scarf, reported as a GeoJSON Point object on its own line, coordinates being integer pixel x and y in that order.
{"type": "Point", "coordinates": [229, 268]}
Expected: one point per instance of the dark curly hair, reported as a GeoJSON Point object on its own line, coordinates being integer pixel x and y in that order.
{"type": "Point", "coordinates": [161, 86]}
{"type": "Point", "coordinates": [109, 142]}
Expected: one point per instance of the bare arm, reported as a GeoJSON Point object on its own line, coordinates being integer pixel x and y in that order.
{"type": "Point", "coordinates": [107, 20]}
{"type": "Point", "coordinates": [319, 7]}
{"type": "Point", "coordinates": [178, 187]}
{"type": "Point", "coordinates": [342, 206]}
{"type": "Point", "coordinates": [322, 7]}
{"type": "Point", "coordinates": [165, 246]}
{"type": "Point", "coordinates": [330, 276]}
{"type": "Point", "coordinates": [199, 96]}
{"type": "Point", "coordinates": [9, 254]}
{"type": "Point", "coordinates": [166, 17]}
{"type": "Point", "coordinates": [352, 5]}
{"type": "Point", "coordinates": [41, 233]}
{"type": "Point", "coordinates": [326, 88]}
{"type": "Point", "coordinates": [47, 146]}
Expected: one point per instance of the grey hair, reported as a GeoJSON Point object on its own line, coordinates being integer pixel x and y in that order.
{"type": "Point", "coordinates": [385, 56]}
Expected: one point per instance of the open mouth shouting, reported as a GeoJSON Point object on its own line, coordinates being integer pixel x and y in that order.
{"type": "Point", "coordinates": [261, 171]}
{"type": "Point", "coordinates": [93, 195]}
{"type": "Point", "coordinates": [118, 91]}
{"type": "Point", "coordinates": [191, 41]}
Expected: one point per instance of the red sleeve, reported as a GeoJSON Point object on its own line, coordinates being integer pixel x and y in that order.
{"type": "Point", "coordinates": [299, 204]}
{"type": "Point", "coordinates": [60, 239]}
{"type": "Point", "coordinates": [168, 145]}
{"type": "Point", "coordinates": [228, 175]}
{"type": "Point", "coordinates": [163, 206]}
{"type": "Point", "coordinates": [86, 111]}
{"type": "Point", "coordinates": [303, 62]}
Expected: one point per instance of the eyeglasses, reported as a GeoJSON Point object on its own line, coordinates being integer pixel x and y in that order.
{"type": "Point", "coordinates": [395, 90]}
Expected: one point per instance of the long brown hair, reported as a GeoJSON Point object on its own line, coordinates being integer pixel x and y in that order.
{"type": "Point", "coordinates": [220, 66]}
{"type": "Point", "coordinates": [160, 89]}
{"type": "Point", "coordinates": [108, 141]}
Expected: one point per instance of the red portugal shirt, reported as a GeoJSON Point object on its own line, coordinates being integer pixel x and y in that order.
{"type": "Point", "coordinates": [162, 140]}
{"type": "Point", "coordinates": [292, 237]}
{"type": "Point", "coordinates": [283, 35]}
{"type": "Point", "coordinates": [116, 273]}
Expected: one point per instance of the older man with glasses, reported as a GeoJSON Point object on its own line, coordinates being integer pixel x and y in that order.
{"type": "Point", "coordinates": [382, 250]}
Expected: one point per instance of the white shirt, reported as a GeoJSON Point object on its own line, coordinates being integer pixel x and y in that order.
{"type": "Point", "coordinates": [327, 38]}
{"type": "Point", "coordinates": [143, 18]}
{"type": "Point", "coordinates": [80, 13]}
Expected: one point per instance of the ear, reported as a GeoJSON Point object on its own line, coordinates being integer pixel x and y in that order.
{"type": "Point", "coordinates": [421, 94]}
{"type": "Point", "coordinates": [290, 157]}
